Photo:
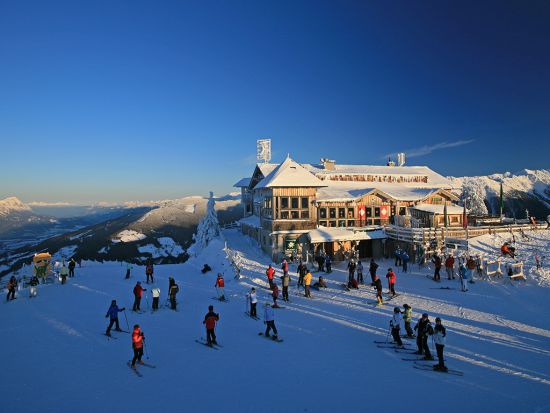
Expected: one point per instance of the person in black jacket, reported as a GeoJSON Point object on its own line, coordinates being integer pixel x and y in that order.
{"type": "Point", "coordinates": [378, 285]}
{"type": "Point", "coordinates": [72, 265]}
{"type": "Point", "coordinates": [423, 330]}
{"type": "Point", "coordinates": [302, 271]}
{"type": "Point", "coordinates": [372, 270]}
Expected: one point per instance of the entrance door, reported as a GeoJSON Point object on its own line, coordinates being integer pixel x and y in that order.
{"type": "Point", "coordinates": [365, 248]}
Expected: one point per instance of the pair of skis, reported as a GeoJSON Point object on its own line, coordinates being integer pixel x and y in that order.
{"type": "Point", "coordinates": [211, 345]}
{"type": "Point", "coordinates": [138, 373]}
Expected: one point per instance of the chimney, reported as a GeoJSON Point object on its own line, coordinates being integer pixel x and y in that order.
{"type": "Point", "coordinates": [328, 164]}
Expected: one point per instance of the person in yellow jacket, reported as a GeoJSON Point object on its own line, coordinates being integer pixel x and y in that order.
{"type": "Point", "coordinates": [307, 283]}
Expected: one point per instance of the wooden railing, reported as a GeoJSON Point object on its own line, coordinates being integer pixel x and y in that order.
{"type": "Point", "coordinates": [422, 235]}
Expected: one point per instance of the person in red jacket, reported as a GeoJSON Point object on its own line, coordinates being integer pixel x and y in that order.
{"type": "Point", "coordinates": [270, 272]}
{"type": "Point", "coordinates": [284, 267]}
{"type": "Point", "coordinates": [220, 285]}
{"type": "Point", "coordinates": [437, 263]}
{"type": "Point", "coordinates": [391, 281]}
{"type": "Point", "coordinates": [137, 345]}
{"type": "Point", "coordinates": [138, 292]}
{"type": "Point", "coordinates": [210, 322]}
{"type": "Point", "coordinates": [275, 295]}
{"type": "Point", "coordinates": [449, 267]}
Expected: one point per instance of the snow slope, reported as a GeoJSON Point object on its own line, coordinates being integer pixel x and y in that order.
{"type": "Point", "coordinates": [55, 358]}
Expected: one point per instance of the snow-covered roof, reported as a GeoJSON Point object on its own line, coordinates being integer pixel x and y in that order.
{"type": "Point", "coordinates": [350, 191]}
{"type": "Point", "coordinates": [327, 234]}
{"type": "Point", "coordinates": [434, 179]}
{"type": "Point", "coordinates": [438, 209]}
{"type": "Point", "coordinates": [266, 168]}
{"type": "Point", "coordinates": [244, 182]}
{"type": "Point", "coordinates": [251, 221]}
{"type": "Point", "coordinates": [289, 174]}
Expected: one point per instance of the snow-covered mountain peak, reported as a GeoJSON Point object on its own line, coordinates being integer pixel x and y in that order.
{"type": "Point", "coordinates": [12, 204]}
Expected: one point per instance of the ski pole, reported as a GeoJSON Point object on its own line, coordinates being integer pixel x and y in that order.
{"type": "Point", "coordinates": [126, 317]}
{"type": "Point", "coordinates": [145, 348]}
{"type": "Point", "coordinates": [147, 301]}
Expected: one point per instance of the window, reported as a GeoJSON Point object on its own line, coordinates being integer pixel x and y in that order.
{"type": "Point", "coordinates": [402, 211]}
{"type": "Point", "coordinates": [332, 212]}
{"type": "Point", "coordinates": [322, 213]}
{"type": "Point", "coordinates": [454, 218]}
{"type": "Point", "coordinates": [294, 214]}
{"type": "Point", "coordinates": [305, 203]}
{"type": "Point", "coordinates": [351, 212]}
{"type": "Point", "coordinates": [341, 222]}
{"type": "Point", "coordinates": [341, 212]}
{"type": "Point", "coordinates": [284, 203]}
{"type": "Point", "coordinates": [368, 211]}
{"type": "Point", "coordinates": [284, 214]}
{"type": "Point", "coordinates": [376, 211]}
{"type": "Point", "coordinates": [351, 223]}
{"type": "Point", "coordinates": [323, 223]}
{"type": "Point", "coordinates": [392, 210]}
{"type": "Point", "coordinates": [332, 223]}
{"type": "Point", "coordinates": [294, 203]}
{"type": "Point", "coordinates": [304, 214]}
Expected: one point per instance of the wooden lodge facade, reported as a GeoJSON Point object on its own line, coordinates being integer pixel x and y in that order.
{"type": "Point", "coordinates": [295, 209]}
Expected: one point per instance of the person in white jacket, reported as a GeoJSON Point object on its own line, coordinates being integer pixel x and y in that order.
{"type": "Point", "coordinates": [156, 295]}
{"type": "Point", "coordinates": [439, 340]}
{"type": "Point", "coordinates": [251, 297]}
{"type": "Point", "coordinates": [395, 325]}
{"type": "Point", "coordinates": [269, 321]}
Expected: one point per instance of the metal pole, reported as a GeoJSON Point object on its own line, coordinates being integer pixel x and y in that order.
{"type": "Point", "coordinates": [126, 317]}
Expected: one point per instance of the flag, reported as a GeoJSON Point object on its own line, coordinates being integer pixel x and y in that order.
{"type": "Point", "coordinates": [464, 217]}
{"type": "Point", "coordinates": [445, 214]}
{"type": "Point", "coordinates": [501, 200]}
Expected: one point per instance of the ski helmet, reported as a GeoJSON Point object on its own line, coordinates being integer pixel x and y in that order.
{"type": "Point", "coordinates": [396, 310]}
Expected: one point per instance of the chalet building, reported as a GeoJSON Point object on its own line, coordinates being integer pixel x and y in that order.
{"type": "Point", "coordinates": [300, 209]}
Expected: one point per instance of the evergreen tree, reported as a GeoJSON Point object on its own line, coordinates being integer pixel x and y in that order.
{"type": "Point", "coordinates": [209, 227]}
{"type": "Point", "coordinates": [473, 195]}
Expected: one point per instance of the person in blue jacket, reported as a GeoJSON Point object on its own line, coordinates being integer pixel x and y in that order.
{"type": "Point", "coordinates": [405, 259]}
{"type": "Point", "coordinates": [112, 312]}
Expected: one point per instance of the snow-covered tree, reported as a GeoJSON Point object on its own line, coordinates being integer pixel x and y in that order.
{"type": "Point", "coordinates": [473, 194]}
{"type": "Point", "coordinates": [209, 227]}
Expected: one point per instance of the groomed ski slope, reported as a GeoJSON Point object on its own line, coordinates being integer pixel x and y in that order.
{"type": "Point", "coordinates": [55, 357]}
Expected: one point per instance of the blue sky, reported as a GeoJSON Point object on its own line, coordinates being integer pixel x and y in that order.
{"type": "Point", "coordinates": [115, 101]}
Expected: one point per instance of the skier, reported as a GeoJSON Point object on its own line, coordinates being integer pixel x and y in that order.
{"type": "Point", "coordinates": [64, 272]}
{"type": "Point", "coordinates": [128, 269]}
{"type": "Point", "coordinates": [12, 284]}
{"type": "Point", "coordinates": [395, 325]}
{"type": "Point", "coordinates": [155, 291]}
{"type": "Point", "coordinates": [270, 272]}
{"type": "Point", "coordinates": [378, 285]}
{"type": "Point", "coordinates": [471, 266]}
{"type": "Point", "coordinates": [286, 282]}
{"type": "Point", "coordinates": [72, 265]}
{"type": "Point", "coordinates": [149, 271]}
{"type": "Point", "coordinates": [220, 287]}
{"type": "Point", "coordinates": [423, 329]}
{"type": "Point", "coordinates": [321, 262]}
{"type": "Point", "coordinates": [275, 295]}
{"type": "Point", "coordinates": [407, 318]}
{"type": "Point", "coordinates": [391, 282]}
{"type": "Point", "coordinates": [174, 289]}
{"type": "Point", "coordinates": [307, 283]}
{"type": "Point", "coordinates": [439, 340]}
{"type": "Point", "coordinates": [506, 249]}
{"type": "Point", "coordinates": [33, 286]}
{"type": "Point", "coordinates": [251, 296]}
{"type": "Point", "coordinates": [321, 283]}
{"type": "Point", "coordinates": [372, 270]}
{"type": "Point", "coordinates": [210, 322]}
{"type": "Point", "coordinates": [284, 266]}
{"type": "Point", "coordinates": [302, 270]}
{"type": "Point", "coordinates": [360, 273]}
{"type": "Point", "coordinates": [269, 321]}
{"type": "Point", "coordinates": [138, 292]}
{"type": "Point", "coordinates": [351, 272]}
{"type": "Point", "coordinates": [463, 275]}
{"type": "Point", "coordinates": [437, 263]}
{"type": "Point", "coordinates": [137, 344]}
{"type": "Point", "coordinates": [449, 267]}
{"type": "Point", "coordinates": [112, 312]}
{"type": "Point", "coordinates": [328, 263]}
{"type": "Point", "coordinates": [405, 258]}
{"type": "Point", "coordinates": [397, 254]}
